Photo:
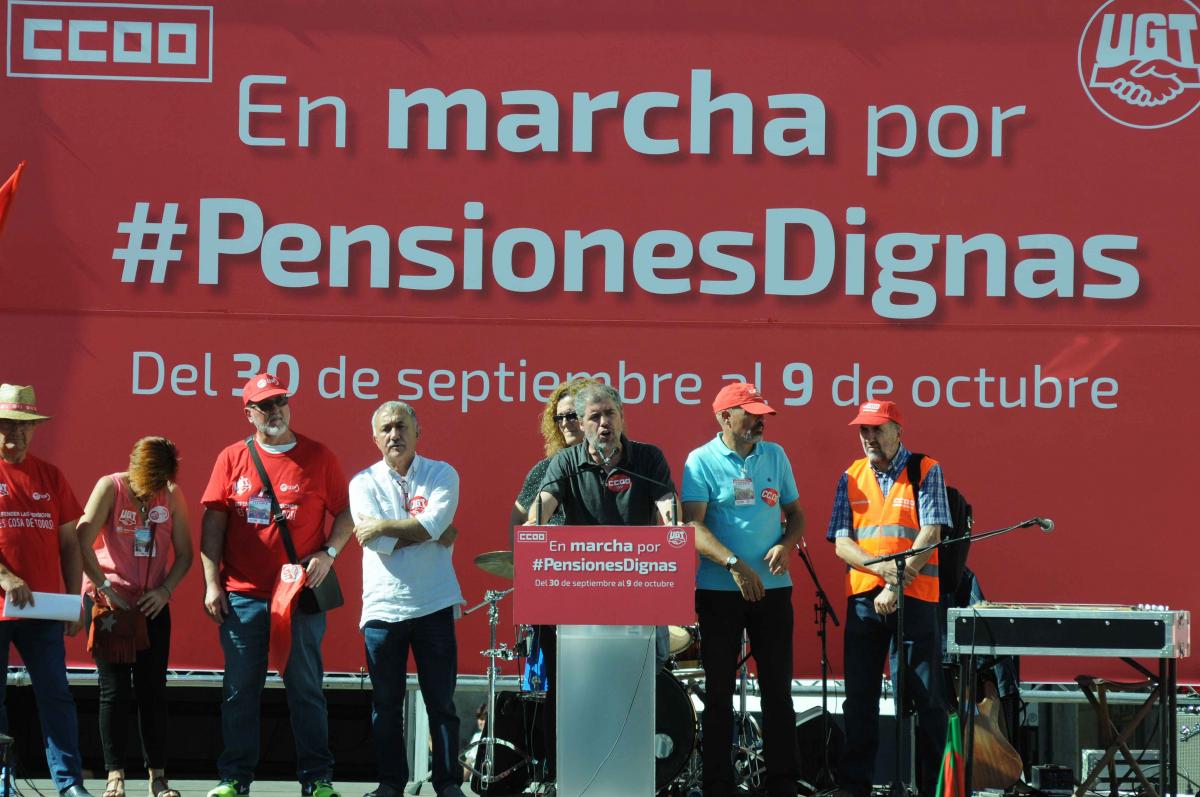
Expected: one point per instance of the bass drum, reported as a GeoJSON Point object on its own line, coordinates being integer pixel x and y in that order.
{"type": "Point", "coordinates": [518, 724]}
{"type": "Point", "coordinates": [675, 729]}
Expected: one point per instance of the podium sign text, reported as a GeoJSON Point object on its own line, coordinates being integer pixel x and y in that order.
{"type": "Point", "coordinates": [604, 575]}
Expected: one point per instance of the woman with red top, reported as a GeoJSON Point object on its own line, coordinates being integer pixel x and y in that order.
{"type": "Point", "coordinates": [136, 549]}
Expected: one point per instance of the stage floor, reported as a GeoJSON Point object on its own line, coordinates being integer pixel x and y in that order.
{"type": "Point", "coordinates": [199, 788]}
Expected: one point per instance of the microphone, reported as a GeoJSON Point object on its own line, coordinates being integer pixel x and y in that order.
{"type": "Point", "coordinates": [606, 450]}
{"type": "Point", "coordinates": [1045, 523]}
{"type": "Point", "coordinates": [551, 483]}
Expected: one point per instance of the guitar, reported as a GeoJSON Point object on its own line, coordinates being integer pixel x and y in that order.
{"type": "Point", "coordinates": [996, 763]}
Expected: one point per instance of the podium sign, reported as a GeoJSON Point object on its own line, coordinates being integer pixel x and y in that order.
{"type": "Point", "coordinates": [604, 575]}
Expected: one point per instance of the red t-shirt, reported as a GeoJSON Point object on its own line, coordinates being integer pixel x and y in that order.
{"type": "Point", "coordinates": [35, 500]}
{"type": "Point", "coordinates": [308, 482]}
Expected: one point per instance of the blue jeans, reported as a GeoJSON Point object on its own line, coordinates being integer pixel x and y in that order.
{"type": "Point", "coordinates": [40, 643]}
{"type": "Point", "coordinates": [245, 634]}
{"type": "Point", "coordinates": [435, 651]}
{"type": "Point", "coordinates": [869, 641]}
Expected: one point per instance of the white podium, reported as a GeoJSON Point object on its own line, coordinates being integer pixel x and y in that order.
{"type": "Point", "coordinates": [605, 715]}
{"type": "Point", "coordinates": [607, 576]}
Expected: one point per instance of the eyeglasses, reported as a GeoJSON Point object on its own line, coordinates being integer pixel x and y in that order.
{"type": "Point", "coordinates": [269, 404]}
{"type": "Point", "coordinates": [567, 416]}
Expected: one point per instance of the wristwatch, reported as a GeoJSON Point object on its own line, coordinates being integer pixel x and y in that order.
{"type": "Point", "coordinates": [332, 551]}
{"type": "Point", "coordinates": [730, 562]}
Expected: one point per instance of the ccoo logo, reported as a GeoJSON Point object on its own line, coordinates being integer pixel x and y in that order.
{"type": "Point", "coordinates": [1137, 61]}
{"type": "Point", "coordinates": [109, 41]}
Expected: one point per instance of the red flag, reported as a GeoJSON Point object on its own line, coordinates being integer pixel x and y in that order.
{"type": "Point", "coordinates": [283, 599]}
{"type": "Point", "coordinates": [8, 191]}
{"type": "Point", "coordinates": [952, 780]}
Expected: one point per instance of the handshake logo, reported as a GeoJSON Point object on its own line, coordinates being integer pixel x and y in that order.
{"type": "Point", "coordinates": [1137, 61]}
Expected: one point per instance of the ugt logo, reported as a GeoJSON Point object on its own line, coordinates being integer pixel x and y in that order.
{"type": "Point", "coordinates": [1137, 61]}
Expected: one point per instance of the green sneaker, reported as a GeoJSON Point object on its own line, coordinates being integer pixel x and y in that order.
{"type": "Point", "coordinates": [318, 788]}
{"type": "Point", "coordinates": [230, 788]}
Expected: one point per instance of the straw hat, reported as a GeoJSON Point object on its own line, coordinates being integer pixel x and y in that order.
{"type": "Point", "coordinates": [18, 403]}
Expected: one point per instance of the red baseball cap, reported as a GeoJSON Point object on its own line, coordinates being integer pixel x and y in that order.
{"type": "Point", "coordinates": [877, 413]}
{"type": "Point", "coordinates": [260, 387]}
{"type": "Point", "coordinates": [744, 395]}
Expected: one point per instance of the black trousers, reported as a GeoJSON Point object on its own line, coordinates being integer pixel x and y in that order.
{"type": "Point", "coordinates": [723, 616]}
{"type": "Point", "coordinates": [144, 684]}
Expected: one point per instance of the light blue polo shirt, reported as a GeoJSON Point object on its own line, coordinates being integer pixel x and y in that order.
{"type": "Point", "coordinates": [749, 531]}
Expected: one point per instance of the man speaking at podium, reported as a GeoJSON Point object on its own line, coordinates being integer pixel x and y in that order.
{"type": "Point", "coordinates": [610, 480]}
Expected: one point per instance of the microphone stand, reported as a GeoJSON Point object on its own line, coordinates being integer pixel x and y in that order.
{"type": "Point", "coordinates": [824, 612]}
{"type": "Point", "coordinates": [966, 706]}
{"type": "Point", "coordinates": [675, 507]}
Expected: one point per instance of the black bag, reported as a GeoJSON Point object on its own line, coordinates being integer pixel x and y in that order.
{"type": "Point", "coordinates": [323, 598]}
{"type": "Point", "coordinates": [312, 600]}
{"type": "Point", "coordinates": [952, 559]}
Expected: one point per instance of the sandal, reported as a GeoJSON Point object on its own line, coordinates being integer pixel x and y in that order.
{"type": "Point", "coordinates": [115, 786]}
{"type": "Point", "coordinates": [159, 787]}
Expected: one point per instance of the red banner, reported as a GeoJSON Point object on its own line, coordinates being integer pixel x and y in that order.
{"type": "Point", "coordinates": [979, 210]}
{"type": "Point", "coordinates": [604, 575]}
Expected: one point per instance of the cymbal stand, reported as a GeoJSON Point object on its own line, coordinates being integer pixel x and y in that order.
{"type": "Point", "coordinates": [747, 742]}
{"type": "Point", "coordinates": [487, 773]}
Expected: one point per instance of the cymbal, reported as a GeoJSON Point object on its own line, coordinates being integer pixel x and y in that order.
{"type": "Point", "coordinates": [498, 563]}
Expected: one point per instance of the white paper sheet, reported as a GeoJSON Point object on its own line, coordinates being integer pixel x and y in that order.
{"type": "Point", "coordinates": [45, 606]}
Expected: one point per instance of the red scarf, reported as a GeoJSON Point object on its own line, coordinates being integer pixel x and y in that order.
{"type": "Point", "coordinates": [283, 600]}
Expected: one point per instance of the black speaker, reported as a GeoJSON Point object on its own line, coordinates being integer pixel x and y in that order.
{"type": "Point", "coordinates": [814, 749]}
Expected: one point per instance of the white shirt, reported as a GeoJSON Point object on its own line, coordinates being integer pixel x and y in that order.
{"type": "Point", "coordinates": [412, 580]}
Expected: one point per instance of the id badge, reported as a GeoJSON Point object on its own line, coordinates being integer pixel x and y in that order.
{"type": "Point", "coordinates": [143, 542]}
{"type": "Point", "coordinates": [743, 492]}
{"type": "Point", "coordinates": [258, 511]}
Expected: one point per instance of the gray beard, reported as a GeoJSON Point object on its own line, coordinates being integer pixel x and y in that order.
{"type": "Point", "coordinates": [271, 428]}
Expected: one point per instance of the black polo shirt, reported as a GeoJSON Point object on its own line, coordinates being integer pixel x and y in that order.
{"type": "Point", "coordinates": [623, 498]}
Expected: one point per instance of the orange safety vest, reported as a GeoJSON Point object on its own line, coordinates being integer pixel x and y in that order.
{"type": "Point", "coordinates": [887, 525]}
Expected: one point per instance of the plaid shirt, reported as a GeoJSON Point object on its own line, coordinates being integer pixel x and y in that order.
{"type": "Point", "coordinates": [932, 506]}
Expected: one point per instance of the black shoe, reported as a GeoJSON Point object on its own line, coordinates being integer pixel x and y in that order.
{"type": "Point", "coordinates": [75, 791]}
{"type": "Point", "coordinates": [384, 790]}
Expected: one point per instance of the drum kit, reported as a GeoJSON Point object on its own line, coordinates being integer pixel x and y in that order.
{"type": "Point", "coordinates": [510, 755]}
